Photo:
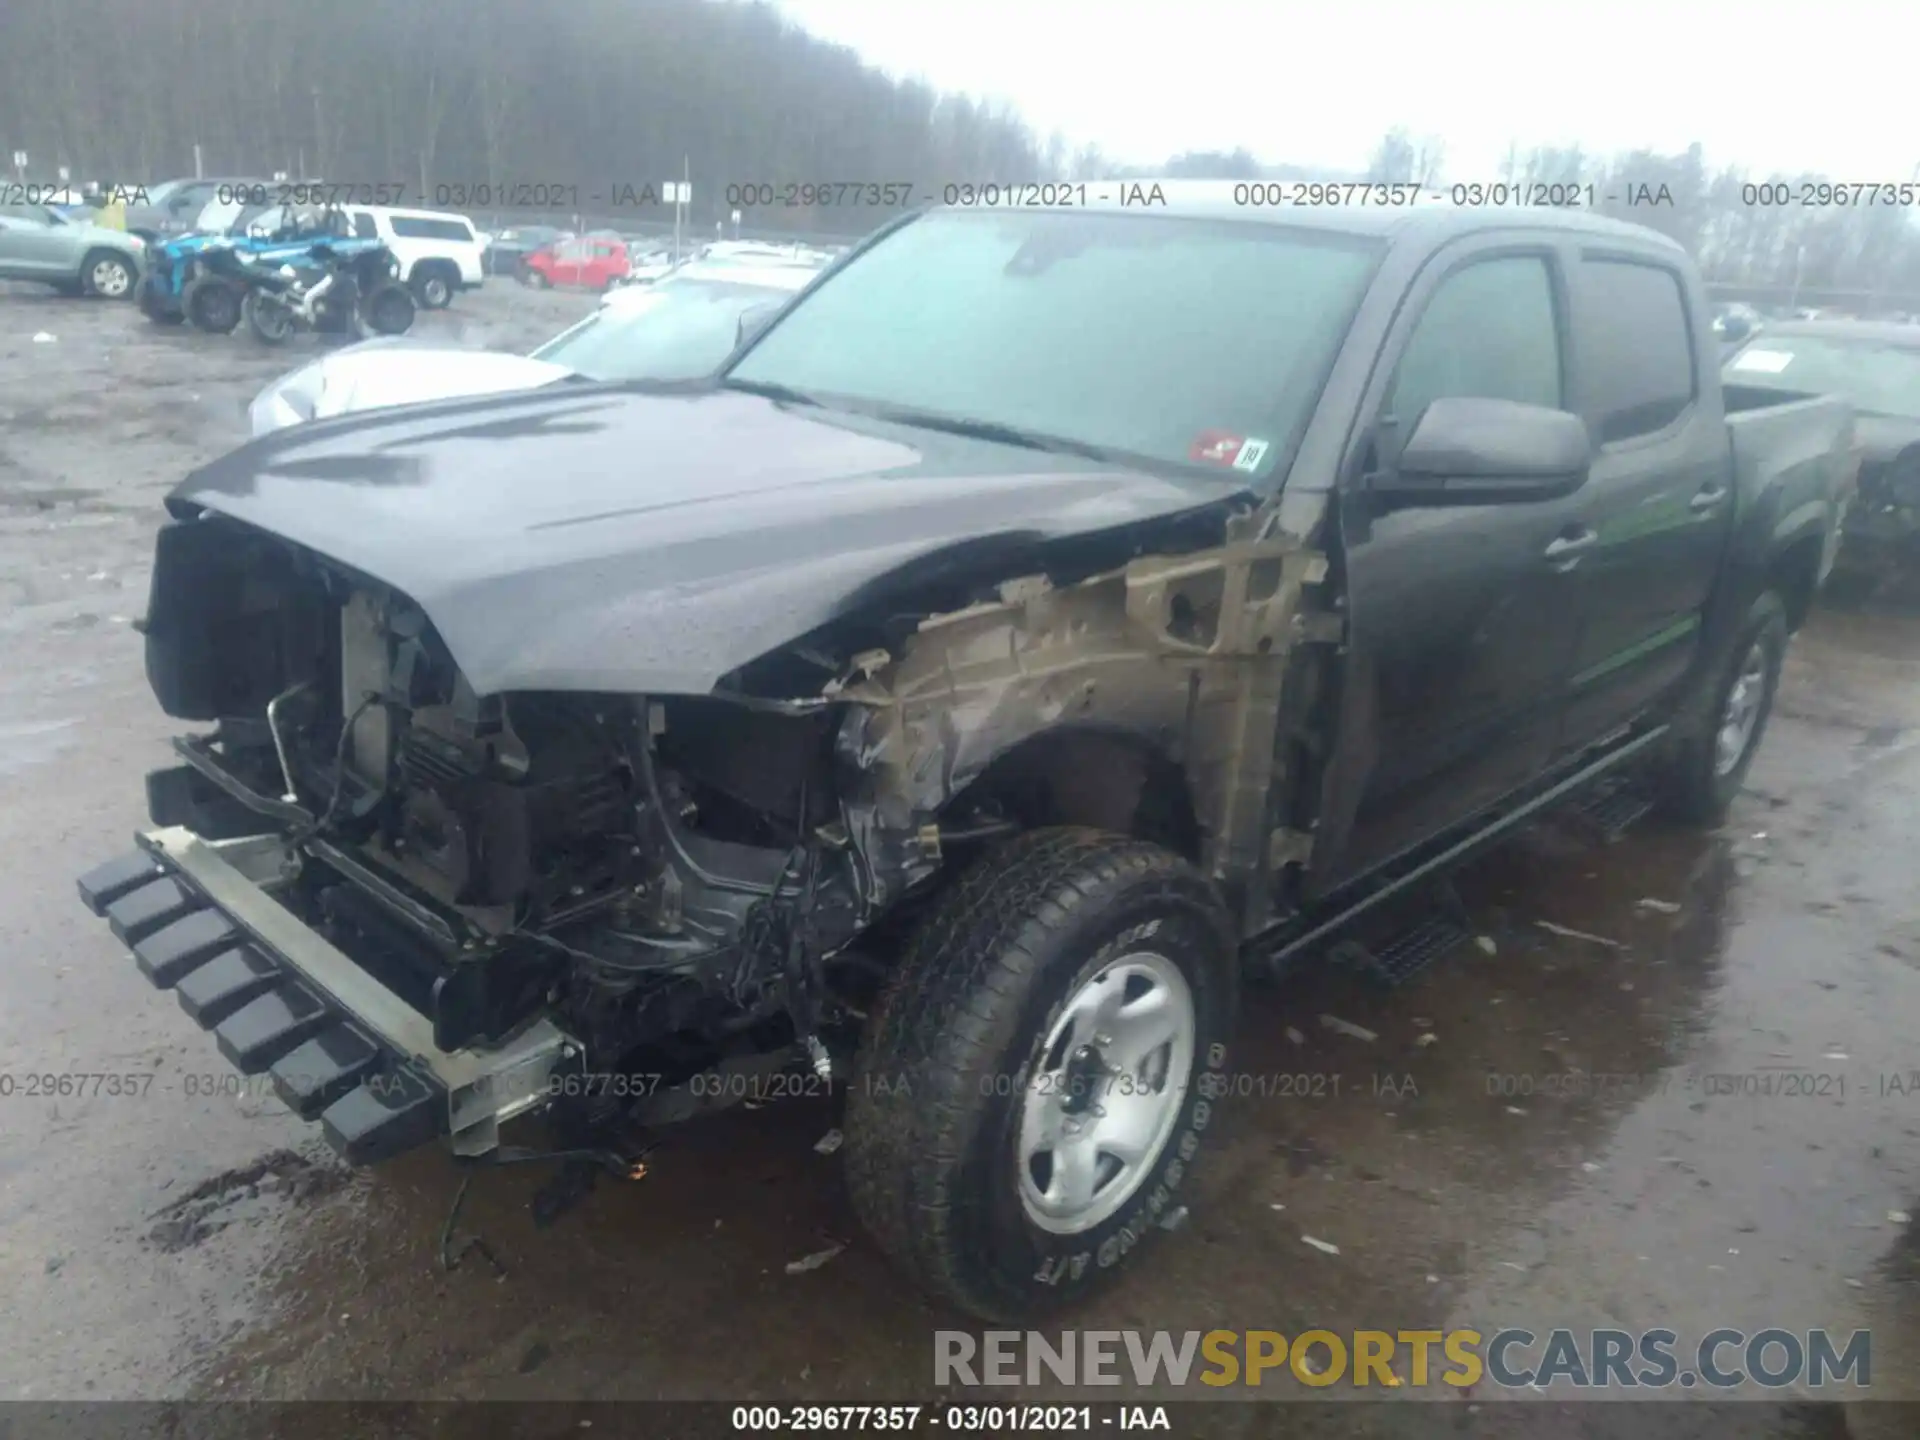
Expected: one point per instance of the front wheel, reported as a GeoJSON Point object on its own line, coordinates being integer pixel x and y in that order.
{"type": "Point", "coordinates": [536, 278]}
{"type": "Point", "coordinates": [107, 275]}
{"type": "Point", "coordinates": [211, 304]}
{"type": "Point", "coordinates": [433, 287]}
{"type": "Point", "coordinates": [1038, 1076]}
{"type": "Point", "coordinates": [269, 320]}
{"type": "Point", "coordinates": [1705, 771]}
{"type": "Point", "coordinates": [388, 310]}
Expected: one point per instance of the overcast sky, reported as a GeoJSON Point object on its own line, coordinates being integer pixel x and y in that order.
{"type": "Point", "coordinates": [1788, 87]}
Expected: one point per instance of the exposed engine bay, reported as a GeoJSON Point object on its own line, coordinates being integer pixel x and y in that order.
{"type": "Point", "coordinates": [681, 880]}
{"type": "Point", "coordinates": [669, 875]}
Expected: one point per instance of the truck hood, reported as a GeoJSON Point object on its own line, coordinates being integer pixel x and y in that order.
{"type": "Point", "coordinates": [391, 372]}
{"type": "Point", "coordinates": [604, 537]}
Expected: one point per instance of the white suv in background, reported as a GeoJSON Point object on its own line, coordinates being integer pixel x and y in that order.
{"type": "Point", "coordinates": [439, 252]}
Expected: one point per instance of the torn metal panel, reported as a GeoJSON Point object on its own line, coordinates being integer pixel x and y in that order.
{"type": "Point", "coordinates": [1185, 654]}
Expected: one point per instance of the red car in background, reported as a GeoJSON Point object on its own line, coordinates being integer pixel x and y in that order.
{"type": "Point", "coordinates": [595, 261]}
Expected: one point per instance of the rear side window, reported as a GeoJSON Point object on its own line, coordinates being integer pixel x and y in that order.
{"type": "Point", "coordinates": [1488, 333]}
{"type": "Point", "coordinates": [1635, 347]}
{"type": "Point", "coordinates": [413, 227]}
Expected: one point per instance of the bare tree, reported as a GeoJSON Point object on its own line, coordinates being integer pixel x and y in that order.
{"type": "Point", "coordinates": [1394, 159]}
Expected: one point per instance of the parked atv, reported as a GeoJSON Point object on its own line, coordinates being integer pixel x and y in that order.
{"type": "Point", "coordinates": [193, 277]}
{"type": "Point", "coordinates": [345, 287]}
{"type": "Point", "coordinates": [179, 286]}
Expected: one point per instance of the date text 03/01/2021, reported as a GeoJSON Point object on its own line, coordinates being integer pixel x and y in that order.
{"type": "Point", "coordinates": [960, 1419]}
{"type": "Point", "coordinates": [906, 194]}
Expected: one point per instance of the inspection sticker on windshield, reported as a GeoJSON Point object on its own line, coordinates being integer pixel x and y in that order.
{"type": "Point", "coordinates": [1770, 361]}
{"type": "Point", "coordinates": [1220, 447]}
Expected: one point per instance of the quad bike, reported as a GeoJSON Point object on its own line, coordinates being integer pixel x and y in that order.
{"type": "Point", "coordinates": [344, 287]}
{"type": "Point", "coordinates": [199, 278]}
{"type": "Point", "coordinates": [181, 284]}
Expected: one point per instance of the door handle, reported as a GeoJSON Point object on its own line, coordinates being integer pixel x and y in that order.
{"type": "Point", "coordinates": [1707, 499]}
{"type": "Point", "coordinates": [1566, 550]}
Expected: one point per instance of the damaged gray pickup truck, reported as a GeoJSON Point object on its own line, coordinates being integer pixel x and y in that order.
{"type": "Point", "coordinates": [1048, 618]}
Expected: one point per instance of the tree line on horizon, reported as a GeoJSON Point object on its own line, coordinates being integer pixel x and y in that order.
{"type": "Point", "coordinates": [591, 95]}
{"type": "Point", "coordinates": [1746, 230]}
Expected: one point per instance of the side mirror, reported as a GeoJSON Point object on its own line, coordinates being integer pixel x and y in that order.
{"type": "Point", "coordinates": [756, 320]}
{"type": "Point", "coordinates": [1469, 451]}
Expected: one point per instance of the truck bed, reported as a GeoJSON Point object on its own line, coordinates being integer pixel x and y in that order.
{"type": "Point", "coordinates": [1801, 442]}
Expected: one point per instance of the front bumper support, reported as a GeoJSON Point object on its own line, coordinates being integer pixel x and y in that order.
{"type": "Point", "coordinates": [280, 999]}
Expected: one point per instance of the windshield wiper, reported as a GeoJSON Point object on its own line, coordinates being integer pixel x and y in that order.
{"type": "Point", "coordinates": [773, 391]}
{"type": "Point", "coordinates": [992, 430]}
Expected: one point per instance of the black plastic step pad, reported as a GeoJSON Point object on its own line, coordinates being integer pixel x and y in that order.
{"type": "Point", "coordinates": [269, 1025]}
{"type": "Point", "coordinates": [213, 991]}
{"type": "Point", "coordinates": [104, 884]}
{"type": "Point", "coordinates": [387, 1113]}
{"type": "Point", "coordinates": [170, 952]}
{"type": "Point", "coordinates": [317, 1072]}
{"type": "Point", "coordinates": [1412, 951]}
{"type": "Point", "coordinates": [138, 913]}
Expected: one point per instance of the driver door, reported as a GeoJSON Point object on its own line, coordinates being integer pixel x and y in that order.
{"type": "Point", "coordinates": [1461, 620]}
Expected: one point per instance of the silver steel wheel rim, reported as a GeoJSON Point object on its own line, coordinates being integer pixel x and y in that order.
{"type": "Point", "coordinates": [1741, 714]}
{"type": "Point", "coordinates": [110, 278]}
{"type": "Point", "coordinates": [437, 293]}
{"type": "Point", "coordinates": [1104, 1092]}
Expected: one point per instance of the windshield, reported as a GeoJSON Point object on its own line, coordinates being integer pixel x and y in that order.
{"type": "Point", "coordinates": [1877, 378]}
{"type": "Point", "coordinates": [677, 330]}
{"type": "Point", "coordinates": [1181, 341]}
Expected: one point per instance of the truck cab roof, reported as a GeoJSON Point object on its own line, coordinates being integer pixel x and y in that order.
{"type": "Point", "coordinates": [1428, 222]}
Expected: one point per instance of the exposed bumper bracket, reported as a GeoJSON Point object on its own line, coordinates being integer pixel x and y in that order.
{"type": "Point", "coordinates": [341, 1047]}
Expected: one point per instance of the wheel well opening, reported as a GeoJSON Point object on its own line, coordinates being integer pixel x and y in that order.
{"type": "Point", "coordinates": [1795, 573]}
{"type": "Point", "coordinates": [1096, 778]}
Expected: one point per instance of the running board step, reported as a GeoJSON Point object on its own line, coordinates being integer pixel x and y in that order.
{"type": "Point", "coordinates": [1610, 809]}
{"type": "Point", "coordinates": [1411, 951]}
{"type": "Point", "coordinates": [1444, 927]}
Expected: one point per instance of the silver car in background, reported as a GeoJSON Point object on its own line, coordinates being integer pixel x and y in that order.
{"type": "Point", "coordinates": [39, 243]}
{"type": "Point", "coordinates": [680, 327]}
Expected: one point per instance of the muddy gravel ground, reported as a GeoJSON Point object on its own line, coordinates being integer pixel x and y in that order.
{"type": "Point", "coordinates": [181, 1243]}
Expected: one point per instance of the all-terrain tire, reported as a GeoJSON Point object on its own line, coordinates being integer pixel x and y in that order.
{"type": "Point", "coordinates": [269, 320]}
{"type": "Point", "coordinates": [957, 1042]}
{"type": "Point", "coordinates": [387, 309]}
{"type": "Point", "coordinates": [1696, 783]}
{"type": "Point", "coordinates": [211, 304]}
